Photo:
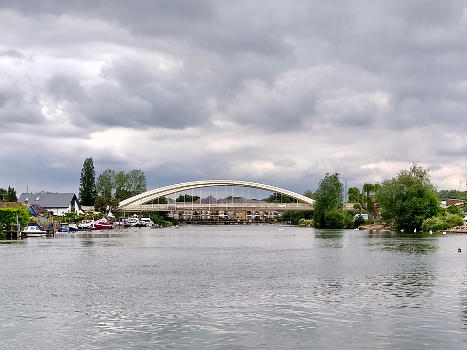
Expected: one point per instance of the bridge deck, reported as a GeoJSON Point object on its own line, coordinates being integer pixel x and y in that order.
{"type": "Point", "coordinates": [220, 206]}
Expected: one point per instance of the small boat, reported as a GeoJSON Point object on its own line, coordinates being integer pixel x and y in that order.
{"type": "Point", "coordinates": [147, 222]}
{"type": "Point", "coordinates": [63, 228]}
{"type": "Point", "coordinates": [101, 224]}
{"type": "Point", "coordinates": [85, 225]}
{"type": "Point", "coordinates": [68, 227]}
{"type": "Point", "coordinates": [133, 221]}
{"type": "Point", "coordinates": [33, 231]}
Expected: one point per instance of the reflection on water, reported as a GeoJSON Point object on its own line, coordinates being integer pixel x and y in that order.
{"type": "Point", "coordinates": [236, 287]}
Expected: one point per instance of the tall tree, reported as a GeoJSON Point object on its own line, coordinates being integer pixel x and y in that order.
{"type": "Point", "coordinates": [354, 195]}
{"type": "Point", "coordinates": [121, 186]}
{"type": "Point", "coordinates": [136, 182]}
{"type": "Point", "coordinates": [129, 184]}
{"type": "Point", "coordinates": [329, 197]}
{"type": "Point", "coordinates": [3, 194]}
{"type": "Point", "coordinates": [11, 195]}
{"type": "Point", "coordinates": [87, 188]}
{"type": "Point", "coordinates": [408, 199]}
{"type": "Point", "coordinates": [106, 184]}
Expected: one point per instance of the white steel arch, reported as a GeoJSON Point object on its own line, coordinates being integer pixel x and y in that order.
{"type": "Point", "coordinates": [185, 186]}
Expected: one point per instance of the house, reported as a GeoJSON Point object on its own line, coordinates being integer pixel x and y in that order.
{"type": "Point", "coordinates": [456, 202]}
{"type": "Point", "coordinates": [58, 203]}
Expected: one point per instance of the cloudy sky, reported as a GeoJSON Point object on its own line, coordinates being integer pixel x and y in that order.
{"type": "Point", "coordinates": [278, 92]}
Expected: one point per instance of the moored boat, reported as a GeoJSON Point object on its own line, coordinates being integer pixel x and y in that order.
{"type": "Point", "coordinates": [33, 231]}
{"type": "Point", "coordinates": [101, 224]}
{"type": "Point", "coordinates": [85, 225]}
{"type": "Point", "coordinates": [147, 222]}
{"type": "Point", "coordinates": [133, 221]}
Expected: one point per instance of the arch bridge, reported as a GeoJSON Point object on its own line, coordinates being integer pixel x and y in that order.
{"type": "Point", "coordinates": [141, 202]}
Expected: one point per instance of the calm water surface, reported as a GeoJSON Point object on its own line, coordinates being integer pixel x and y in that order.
{"type": "Point", "coordinates": [234, 287]}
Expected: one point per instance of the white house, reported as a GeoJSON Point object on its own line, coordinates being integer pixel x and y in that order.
{"type": "Point", "coordinates": [58, 203]}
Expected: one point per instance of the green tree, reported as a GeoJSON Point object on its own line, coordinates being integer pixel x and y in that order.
{"type": "Point", "coordinates": [87, 189]}
{"type": "Point", "coordinates": [129, 184]}
{"type": "Point", "coordinates": [103, 204]}
{"type": "Point", "coordinates": [354, 195]}
{"type": "Point", "coordinates": [279, 198]}
{"type": "Point", "coordinates": [329, 196]}
{"type": "Point", "coordinates": [11, 195]}
{"type": "Point", "coordinates": [408, 199]}
{"type": "Point", "coordinates": [3, 194]}
{"type": "Point", "coordinates": [8, 195]}
{"type": "Point", "coordinates": [309, 194]}
{"type": "Point", "coordinates": [121, 186]}
{"type": "Point", "coordinates": [106, 184]}
{"type": "Point", "coordinates": [136, 182]}
{"type": "Point", "coordinates": [454, 209]}
{"type": "Point", "coordinates": [366, 200]}
{"type": "Point", "coordinates": [186, 198]}
{"type": "Point", "coordinates": [452, 194]}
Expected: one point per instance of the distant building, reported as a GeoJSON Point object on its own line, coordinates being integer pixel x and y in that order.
{"type": "Point", "coordinates": [58, 203]}
{"type": "Point", "coordinates": [457, 202]}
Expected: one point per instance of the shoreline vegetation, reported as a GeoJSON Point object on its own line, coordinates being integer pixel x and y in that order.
{"type": "Point", "coordinates": [408, 202]}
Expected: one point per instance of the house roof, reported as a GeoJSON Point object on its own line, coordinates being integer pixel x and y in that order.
{"type": "Point", "coordinates": [47, 199]}
{"type": "Point", "coordinates": [37, 209]}
{"type": "Point", "coordinates": [9, 204]}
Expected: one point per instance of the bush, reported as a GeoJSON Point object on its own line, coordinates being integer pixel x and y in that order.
{"type": "Point", "coordinates": [8, 216]}
{"type": "Point", "coordinates": [306, 223]}
{"type": "Point", "coordinates": [453, 209]}
{"type": "Point", "coordinates": [294, 217]}
{"type": "Point", "coordinates": [338, 218]}
{"type": "Point", "coordinates": [359, 220]}
{"type": "Point", "coordinates": [442, 222]}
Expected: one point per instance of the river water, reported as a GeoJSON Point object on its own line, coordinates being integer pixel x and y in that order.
{"type": "Point", "coordinates": [234, 287]}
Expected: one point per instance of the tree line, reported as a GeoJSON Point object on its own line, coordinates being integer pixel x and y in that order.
{"type": "Point", "coordinates": [8, 194]}
{"type": "Point", "coordinates": [110, 187]}
{"type": "Point", "coordinates": [408, 201]}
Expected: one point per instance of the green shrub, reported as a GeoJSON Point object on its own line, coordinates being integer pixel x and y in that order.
{"type": "Point", "coordinates": [8, 216]}
{"type": "Point", "coordinates": [305, 222]}
{"type": "Point", "coordinates": [358, 221]}
{"type": "Point", "coordinates": [453, 209]}
{"type": "Point", "coordinates": [442, 222]}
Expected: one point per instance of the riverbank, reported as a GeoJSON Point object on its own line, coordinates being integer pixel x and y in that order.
{"type": "Point", "coordinates": [383, 227]}
{"type": "Point", "coordinates": [377, 227]}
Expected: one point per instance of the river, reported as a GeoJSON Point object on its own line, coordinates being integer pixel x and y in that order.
{"type": "Point", "coordinates": [234, 287]}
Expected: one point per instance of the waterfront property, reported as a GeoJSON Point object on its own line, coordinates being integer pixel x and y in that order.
{"type": "Point", "coordinates": [58, 203]}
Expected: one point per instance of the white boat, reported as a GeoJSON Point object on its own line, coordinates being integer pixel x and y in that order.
{"type": "Point", "coordinates": [85, 225]}
{"type": "Point", "coordinates": [33, 231]}
{"type": "Point", "coordinates": [133, 221]}
{"type": "Point", "coordinates": [147, 222]}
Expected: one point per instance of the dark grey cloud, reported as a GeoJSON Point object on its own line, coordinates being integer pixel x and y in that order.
{"type": "Point", "coordinates": [276, 91]}
{"type": "Point", "coordinates": [12, 53]}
